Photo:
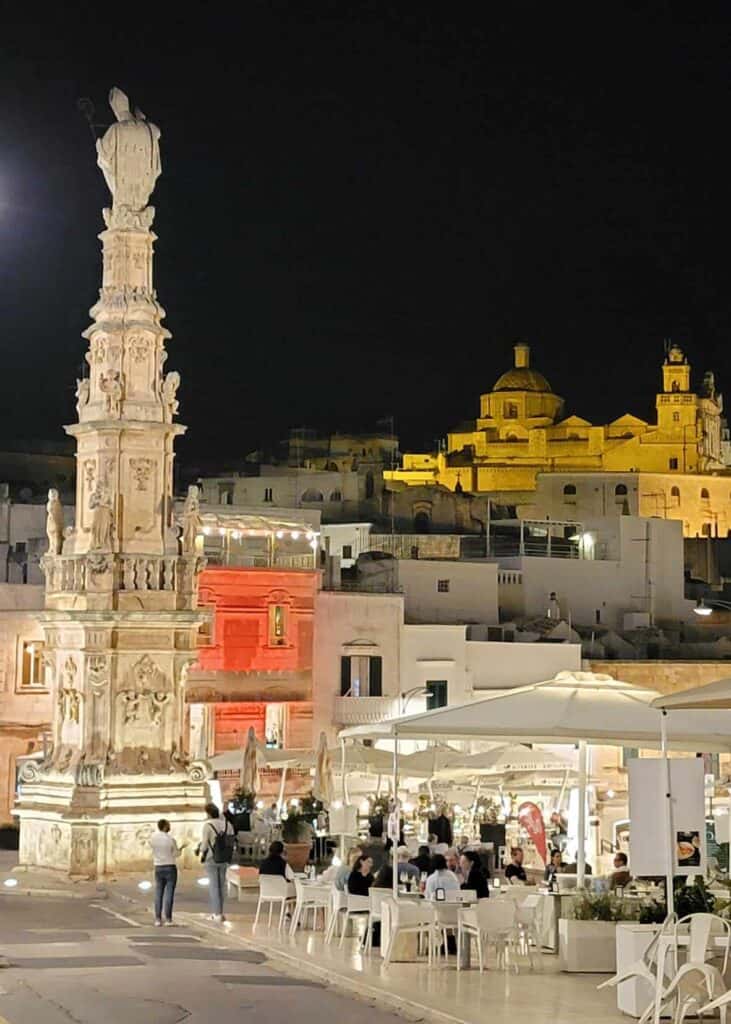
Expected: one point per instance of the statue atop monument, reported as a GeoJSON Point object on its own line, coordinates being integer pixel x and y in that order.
{"type": "Point", "coordinates": [129, 155]}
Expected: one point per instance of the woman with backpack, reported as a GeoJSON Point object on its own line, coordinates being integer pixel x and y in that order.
{"type": "Point", "coordinates": [216, 852]}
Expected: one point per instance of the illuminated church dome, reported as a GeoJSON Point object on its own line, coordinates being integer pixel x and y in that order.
{"type": "Point", "coordinates": [521, 377]}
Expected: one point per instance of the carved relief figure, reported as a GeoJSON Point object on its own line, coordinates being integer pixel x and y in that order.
{"type": "Point", "coordinates": [82, 393]}
{"type": "Point", "coordinates": [191, 521]}
{"type": "Point", "coordinates": [141, 469]}
{"type": "Point", "coordinates": [54, 523]}
{"type": "Point", "coordinates": [129, 154]}
{"type": "Point", "coordinates": [110, 384]}
{"type": "Point", "coordinates": [168, 390]}
{"type": "Point", "coordinates": [101, 520]}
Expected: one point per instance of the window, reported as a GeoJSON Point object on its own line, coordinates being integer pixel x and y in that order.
{"type": "Point", "coordinates": [672, 463]}
{"type": "Point", "coordinates": [422, 522]}
{"type": "Point", "coordinates": [705, 496]}
{"type": "Point", "coordinates": [361, 675]}
{"type": "Point", "coordinates": [268, 494]}
{"type": "Point", "coordinates": [31, 672]}
{"type": "Point", "coordinates": [436, 694]}
{"type": "Point", "coordinates": [706, 530]}
{"type": "Point", "coordinates": [510, 410]}
{"type": "Point", "coordinates": [676, 417]}
{"type": "Point", "coordinates": [336, 496]}
{"type": "Point", "coordinates": [347, 550]}
{"type": "Point", "coordinates": [277, 625]}
{"type": "Point", "coordinates": [620, 489]}
{"type": "Point", "coordinates": [675, 496]}
{"type": "Point", "coordinates": [312, 495]}
{"type": "Point", "coordinates": [569, 489]}
{"type": "Point", "coordinates": [414, 551]}
{"type": "Point", "coordinates": [225, 494]}
{"type": "Point", "coordinates": [442, 586]}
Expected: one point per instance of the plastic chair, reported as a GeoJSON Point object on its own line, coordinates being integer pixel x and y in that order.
{"type": "Point", "coordinates": [409, 917]}
{"type": "Point", "coordinates": [525, 919]}
{"type": "Point", "coordinates": [446, 919]}
{"type": "Point", "coordinates": [355, 905]}
{"type": "Point", "coordinates": [338, 906]}
{"type": "Point", "coordinates": [376, 897]}
{"type": "Point", "coordinates": [273, 889]}
{"type": "Point", "coordinates": [309, 898]}
{"type": "Point", "coordinates": [493, 919]}
{"type": "Point", "coordinates": [646, 967]}
{"type": "Point", "coordinates": [708, 986]}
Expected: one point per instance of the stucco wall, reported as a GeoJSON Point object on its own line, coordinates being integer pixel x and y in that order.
{"type": "Point", "coordinates": [471, 597]}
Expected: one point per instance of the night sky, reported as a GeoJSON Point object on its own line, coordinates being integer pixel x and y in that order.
{"type": "Point", "coordinates": [362, 208]}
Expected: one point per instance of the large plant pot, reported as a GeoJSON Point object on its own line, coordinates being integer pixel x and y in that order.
{"type": "Point", "coordinates": [587, 946]}
{"type": "Point", "coordinates": [297, 855]}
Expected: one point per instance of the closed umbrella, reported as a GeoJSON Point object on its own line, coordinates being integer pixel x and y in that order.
{"type": "Point", "coordinates": [249, 778]}
{"type": "Point", "coordinates": [322, 787]}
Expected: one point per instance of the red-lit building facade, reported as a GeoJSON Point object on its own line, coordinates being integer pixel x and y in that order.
{"type": "Point", "coordinates": [255, 666]}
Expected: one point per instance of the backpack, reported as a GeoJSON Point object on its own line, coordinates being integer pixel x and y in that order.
{"type": "Point", "coordinates": [223, 845]}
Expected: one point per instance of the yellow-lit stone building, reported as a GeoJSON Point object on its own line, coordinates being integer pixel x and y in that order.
{"type": "Point", "coordinates": [521, 432]}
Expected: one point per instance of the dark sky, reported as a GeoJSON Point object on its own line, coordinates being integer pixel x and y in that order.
{"type": "Point", "coordinates": [362, 208]}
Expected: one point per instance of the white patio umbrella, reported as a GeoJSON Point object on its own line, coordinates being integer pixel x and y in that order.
{"type": "Point", "coordinates": [249, 777]}
{"type": "Point", "coordinates": [574, 707]}
{"type": "Point", "coordinates": [322, 786]}
{"type": "Point", "coordinates": [507, 760]}
{"type": "Point", "coordinates": [436, 759]}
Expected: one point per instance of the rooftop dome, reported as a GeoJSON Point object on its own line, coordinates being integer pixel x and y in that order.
{"type": "Point", "coordinates": [521, 377]}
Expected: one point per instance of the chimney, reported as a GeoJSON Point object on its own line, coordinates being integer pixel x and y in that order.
{"type": "Point", "coordinates": [522, 355]}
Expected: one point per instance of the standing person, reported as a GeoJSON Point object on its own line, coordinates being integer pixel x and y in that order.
{"type": "Point", "coordinates": [475, 876]}
{"type": "Point", "coordinates": [216, 852]}
{"type": "Point", "coordinates": [165, 852]}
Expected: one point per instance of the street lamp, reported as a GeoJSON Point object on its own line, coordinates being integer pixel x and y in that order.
{"type": "Point", "coordinates": [418, 691]}
{"type": "Point", "coordinates": [702, 608]}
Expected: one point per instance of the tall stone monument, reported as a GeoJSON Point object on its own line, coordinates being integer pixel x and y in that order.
{"type": "Point", "coordinates": [120, 619]}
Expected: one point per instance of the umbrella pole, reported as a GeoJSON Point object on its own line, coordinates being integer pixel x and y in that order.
{"type": "Point", "coordinates": [581, 850]}
{"type": "Point", "coordinates": [474, 805]}
{"type": "Point", "coordinates": [345, 794]}
{"type": "Point", "coordinates": [280, 800]}
{"type": "Point", "coordinates": [397, 812]}
{"type": "Point", "coordinates": [668, 813]}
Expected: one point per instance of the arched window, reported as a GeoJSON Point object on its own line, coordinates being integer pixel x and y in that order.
{"type": "Point", "coordinates": [620, 489]}
{"type": "Point", "coordinates": [422, 522]}
{"type": "Point", "coordinates": [704, 494]}
{"type": "Point", "coordinates": [569, 489]}
{"type": "Point", "coordinates": [336, 496]}
{"type": "Point", "coordinates": [675, 495]}
{"type": "Point", "coordinates": [312, 495]}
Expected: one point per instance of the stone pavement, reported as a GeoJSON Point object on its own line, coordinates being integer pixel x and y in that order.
{"type": "Point", "coordinates": [441, 994]}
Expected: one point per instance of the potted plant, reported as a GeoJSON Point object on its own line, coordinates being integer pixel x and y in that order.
{"type": "Point", "coordinates": [242, 803]}
{"type": "Point", "coordinates": [297, 838]}
{"type": "Point", "coordinates": [586, 941]}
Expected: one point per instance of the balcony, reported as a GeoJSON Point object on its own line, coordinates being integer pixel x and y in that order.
{"type": "Point", "coordinates": [364, 710]}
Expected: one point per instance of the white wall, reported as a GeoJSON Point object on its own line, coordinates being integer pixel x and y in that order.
{"type": "Point", "coordinates": [472, 594]}
{"type": "Point", "coordinates": [500, 666]}
{"type": "Point", "coordinates": [335, 536]}
{"type": "Point", "coordinates": [344, 619]}
{"type": "Point", "coordinates": [434, 652]}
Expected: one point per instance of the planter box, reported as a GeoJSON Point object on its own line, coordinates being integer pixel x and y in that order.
{"type": "Point", "coordinates": [587, 946]}
{"type": "Point", "coordinates": [297, 855]}
{"type": "Point", "coordinates": [632, 940]}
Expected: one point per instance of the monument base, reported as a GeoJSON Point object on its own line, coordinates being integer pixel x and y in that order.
{"type": "Point", "coordinates": [96, 831]}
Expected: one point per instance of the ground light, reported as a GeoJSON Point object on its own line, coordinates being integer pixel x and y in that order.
{"type": "Point", "coordinates": [202, 881]}
{"type": "Point", "coordinates": [144, 885]}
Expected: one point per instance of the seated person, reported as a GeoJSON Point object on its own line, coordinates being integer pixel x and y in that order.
{"type": "Point", "coordinates": [454, 865]}
{"type": "Point", "coordinates": [440, 878]}
{"type": "Point", "coordinates": [341, 876]}
{"type": "Point", "coordinates": [475, 876]}
{"type": "Point", "coordinates": [554, 867]}
{"type": "Point", "coordinates": [275, 863]}
{"type": "Point", "coordinates": [405, 867]}
{"type": "Point", "coordinates": [422, 861]}
{"type": "Point", "coordinates": [360, 878]}
{"type": "Point", "coordinates": [515, 872]}
{"type": "Point", "coordinates": [384, 877]}
{"type": "Point", "coordinates": [621, 875]}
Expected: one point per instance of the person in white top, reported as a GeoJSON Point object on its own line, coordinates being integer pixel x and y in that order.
{"type": "Point", "coordinates": [440, 878]}
{"type": "Point", "coordinates": [215, 825]}
{"type": "Point", "coordinates": [165, 852]}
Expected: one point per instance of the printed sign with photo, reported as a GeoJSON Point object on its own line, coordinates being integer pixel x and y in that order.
{"type": "Point", "coordinates": [687, 849]}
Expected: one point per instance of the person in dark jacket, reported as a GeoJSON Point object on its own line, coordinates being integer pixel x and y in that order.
{"type": "Point", "coordinates": [360, 878]}
{"type": "Point", "coordinates": [475, 876]}
{"type": "Point", "coordinates": [441, 827]}
{"type": "Point", "coordinates": [423, 860]}
{"type": "Point", "coordinates": [275, 862]}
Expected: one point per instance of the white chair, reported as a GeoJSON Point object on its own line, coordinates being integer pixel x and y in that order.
{"type": "Point", "coordinates": [309, 897]}
{"type": "Point", "coordinates": [376, 896]}
{"type": "Point", "coordinates": [698, 984]}
{"type": "Point", "coordinates": [646, 967]}
{"type": "Point", "coordinates": [274, 889]}
{"type": "Point", "coordinates": [354, 906]}
{"type": "Point", "coordinates": [488, 921]}
{"type": "Point", "coordinates": [446, 919]}
{"type": "Point", "coordinates": [525, 919]}
{"type": "Point", "coordinates": [338, 907]}
{"type": "Point", "coordinates": [409, 917]}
